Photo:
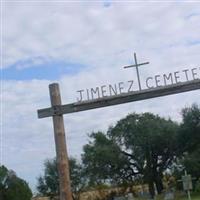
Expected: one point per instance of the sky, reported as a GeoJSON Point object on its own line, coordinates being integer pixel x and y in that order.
{"type": "Point", "coordinates": [83, 44]}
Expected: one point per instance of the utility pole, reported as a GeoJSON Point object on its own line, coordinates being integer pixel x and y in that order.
{"type": "Point", "coordinates": [60, 142]}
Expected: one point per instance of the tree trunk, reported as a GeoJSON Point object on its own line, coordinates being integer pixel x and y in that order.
{"type": "Point", "coordinates": [151, 188]}
{"type": "Point", "coordinates": [159, 184]}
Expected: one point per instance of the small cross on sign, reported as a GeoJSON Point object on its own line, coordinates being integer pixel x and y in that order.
{"type": "Point", "coordinates": [136, 66]}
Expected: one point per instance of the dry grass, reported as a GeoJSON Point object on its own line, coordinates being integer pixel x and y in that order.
{"type": "Point", "coordinates": [178, 196]}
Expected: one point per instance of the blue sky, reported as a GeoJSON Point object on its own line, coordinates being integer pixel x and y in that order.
{"type": "Point", "coordinates": [52, 70]}
{"type": "Point", "coordinates": [81, 45]}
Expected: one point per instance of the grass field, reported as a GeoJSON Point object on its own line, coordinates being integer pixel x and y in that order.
{"type": "Point", "coordinates": [185, 197]}
{"type": "Point", "coordinates": [193, 197]}
{"type": "Point", "coordinates": [178, 197]}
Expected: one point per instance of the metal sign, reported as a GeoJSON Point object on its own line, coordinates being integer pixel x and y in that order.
{"type": "Point", "coordinates": [127, 87]}
{"type": "Point", "coordinates": [187, 182]}
{"type": "Point", "coordinates": [123, 92]}
{"type": "Point", "coordinates": [119, 99]}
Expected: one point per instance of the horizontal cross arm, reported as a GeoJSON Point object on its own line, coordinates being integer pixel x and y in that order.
{"type": "Point", "coordinates": [122, 98]}
{"type": "Point", "coordinates": [146, 63]}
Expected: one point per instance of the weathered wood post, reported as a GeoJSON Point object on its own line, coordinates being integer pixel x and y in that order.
{"type": "Point", "coordinates": [61, 150]}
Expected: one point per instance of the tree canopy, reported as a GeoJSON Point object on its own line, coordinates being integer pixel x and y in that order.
{"type": "Point", "coordinates": [188, 140]}
{"type": "Point", "coordinates": [48, 184]}
{"type": "Point", "coordinates": [13, 187]}
{"type": "Point", "coordinates": [103, 162]}
{"type": "Point", "coordinates": [140, 145]}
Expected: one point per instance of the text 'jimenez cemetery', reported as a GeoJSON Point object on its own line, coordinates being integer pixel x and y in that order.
{"type": "Point", "coordinates": [128, 86]}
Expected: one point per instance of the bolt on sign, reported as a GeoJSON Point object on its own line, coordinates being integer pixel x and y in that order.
{"type": "Point", "coordinates": [109, 95]}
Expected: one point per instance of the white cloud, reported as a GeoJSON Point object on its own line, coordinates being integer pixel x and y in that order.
{"type": "Point", "coordinates": [93, 33]}
{"type": "Point", "coordinates": [104, 39]}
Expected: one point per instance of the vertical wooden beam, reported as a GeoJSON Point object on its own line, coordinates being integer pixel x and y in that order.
{"type": "Point", "coordinates": [61, 150]}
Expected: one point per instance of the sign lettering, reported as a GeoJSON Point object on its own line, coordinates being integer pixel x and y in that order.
{"type": "Point", "coordinates": [105, 91]}
{"type": "Point", "coordinates": [128, 86]}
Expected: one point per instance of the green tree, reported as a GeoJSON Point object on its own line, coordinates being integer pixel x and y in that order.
{"type": "Point", "coordinates": [12, 187]}
{"type": "Point", "coordinates": [188, 140]}
{"type": "Point", "coordinates": [3, 178]}
{"type": "Point", "coordinates": [78, 180]}
{"type": "Point", "coordinates": [140, 145]}
{"type": "Point", "coordinates": [48, 184]}
{"type": "Point", "coordinates": [103, 162]}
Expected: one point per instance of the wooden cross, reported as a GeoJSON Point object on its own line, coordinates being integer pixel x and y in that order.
{"type": "Point", "coordinates": [137, 70]}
